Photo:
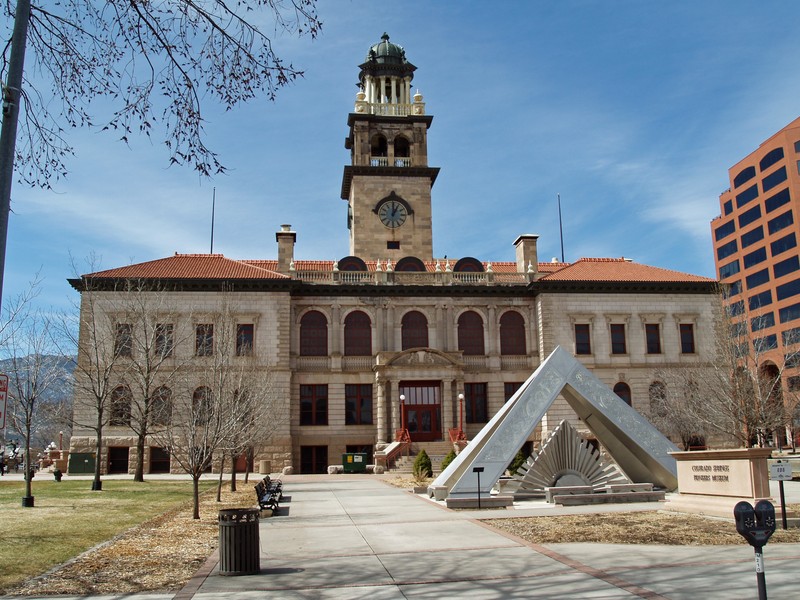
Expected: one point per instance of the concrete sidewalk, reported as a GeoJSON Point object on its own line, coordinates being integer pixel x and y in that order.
{"type": "Point", "coordinates": [357, 537]}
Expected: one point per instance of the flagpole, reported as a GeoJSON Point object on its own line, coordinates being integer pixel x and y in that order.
{"type": "Point", "coordinates": [560, 228]}
{"type": "Point", "coordinates": [213, 206]}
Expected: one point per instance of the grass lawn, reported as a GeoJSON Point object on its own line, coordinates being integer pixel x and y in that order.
{"type": "Point", "coordinates": [69, 518]}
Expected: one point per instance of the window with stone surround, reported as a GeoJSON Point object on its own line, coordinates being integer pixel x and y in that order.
{"type": "Point", "coordinates": [313, 334]}
{"type": "Point", "coordinates": [512, 333]}
{"type": "Point", "coordinates": [583, 343]}
{"type": "Point", "coordinates": [314, 404]}
{"type": "Point", "coordinates": [120, 408]}
{"type": "Point", "coordinates": [618, 342]}
{"type": "Point", "coordinates": [358, 404]}
{"type": "Point", "coordinates": [204, 339]}
{"type": "Point", "coordinates": [653, 338]}
{"type": "Point", "coordinates": [244, 339]}
{"type": "Point", "coordinates": [414, 330]}
{"type": "Point", "coordinates": [165, 340]}
{"type": "Point", "coordinates": [357, 334]}
{"type": "Point", "coordinates": [475, 403]}
{"type": "Point", "coordinates": [123, 340]}
{"type": "Point", "coordinates": [470, 333]}
{"type": "Point", "coordinates": [687, 338]}
{"type": "Point", "coordinates": [623, 390]}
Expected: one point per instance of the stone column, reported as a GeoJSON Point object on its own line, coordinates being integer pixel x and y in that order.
{"type": "Point", "coordinates": [381, 410]}
{"type": "Point", "coordinates": [394, 90]}
{"type": "Point", "coordinates": [394, 407]}
{"type": "Point", "coordinates": [493, 332]}
{"type": "Point", "coordinates": [335, 331]}
{"type": "Point", "coordinates": [449, 416]}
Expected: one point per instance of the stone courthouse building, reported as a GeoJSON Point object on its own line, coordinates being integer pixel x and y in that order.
{"type": "Point", "coordinates": [391, 339]}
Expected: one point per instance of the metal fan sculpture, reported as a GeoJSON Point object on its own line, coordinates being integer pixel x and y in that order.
{"type": "Point", "coordinates": [566, 459]}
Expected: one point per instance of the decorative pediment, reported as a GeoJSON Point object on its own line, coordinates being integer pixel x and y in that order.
{"type": "Point", "coordinates": [422, 357]}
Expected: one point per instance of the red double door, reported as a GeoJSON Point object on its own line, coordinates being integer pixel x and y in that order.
{"type": "Point", "coordinates": [422, 410]}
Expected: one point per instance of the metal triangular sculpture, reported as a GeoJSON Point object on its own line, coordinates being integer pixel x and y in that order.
{"type": "Point", "coordinates": [565, 458]}
{"type": "Point", "coordinates": [638, 448]}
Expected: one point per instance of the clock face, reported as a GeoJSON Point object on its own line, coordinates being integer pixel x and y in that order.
{"type": "Point", "coordinates": [392, 213]}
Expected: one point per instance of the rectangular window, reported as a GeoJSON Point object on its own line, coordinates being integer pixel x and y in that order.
{"type": "Point", "coordinates": [728, 207]}
{"type": "Point", "coordinates": [358, 404]}
{"type": "Point", "coordinates": [791, 360]}
{"type": "Point", "coordinates": [790, 265]}
{"type": "Point", "coordinates": [757, 301]}
{"type": "Point", "coordinates": [724, 230]}
{"type": "Point", "coordinates": [746, 196]}
{"type": "Point", "coordinates": [751, 237]}
{"type": "Point", "coordinates": [791, 336]}
{"type": "Point", "coordinates": [475, 404]}
{"type": "Point", "coordinates": [762, 321]}
{"type": "Point", "coordinates": [778, 200]}
{"type": "Point", "coordinates": [789, 313]}
{"type": "Point", "coordinates": [782, 245]}
{"type": "Point", "coordinates": [727, 249]}
{"type": "Point", "coordinates": [736, 308]}
{"type": "Point", "coordinates": [734, 289]}
{"type": "Point", "coordinates": [204, 339]}
{"type": "Point", "coordinates": [509, 389]}
{"type": "Point", "coordinates": [583, 344]}
{"type": "Point", "coordinates": [769, 342]}
{"type": "Point", "coordinates": [749, 216]}
{"type": "Point", "coordinates": [244, 339]}
{"type": "Point", "coordinates": [780, 222]}
{"type": "Point", "coordinates": [731, 268]}
{"type": "Point", "coordinates": [738, 329]}
{"type": "Point", "coordinates": [314, 404]}
{"type": "Point", "coordinates": [618, 345]}
{"type": "Point", "coordinates": [165, 340]}
{"type": "Point", "coordinates": [123, 340]}
{"type": "Point", "coordinates": [393, 245]}
{"type": "Point", "coordinates": [758, 278]}
{"type": "Point", "coordinates": [653, 336]}
{"type": "Point", "coordinates": [793, 383]}
{"type": "Point", "coordinates": [755, 257]}
{"type": "Point", "coordinates": [773, 179]}
{"type": "Point", "coordinates": [687, 338]}
{"type": "Point", "coordinates": [787, 290]}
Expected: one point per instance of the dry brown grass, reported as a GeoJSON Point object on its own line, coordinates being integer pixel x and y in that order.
{"type": "Point", "coordinates": [160, 554]}
{"type": "Point", "coordinates": [632, 528]}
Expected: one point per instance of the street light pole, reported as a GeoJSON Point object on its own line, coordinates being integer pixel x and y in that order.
{"type": "Point", "coordinates": [12, 95]}
{"type": "Point", "coordinates": [461, 413]}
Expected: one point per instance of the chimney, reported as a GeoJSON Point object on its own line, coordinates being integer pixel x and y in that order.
{"type": "Point", "coordinates": [286, 239]}
{"type": "Point", "coordinates": [526, 252]}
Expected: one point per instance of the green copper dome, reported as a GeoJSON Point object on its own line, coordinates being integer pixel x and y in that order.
{"type": "Point", "coordinates": [384, 52]}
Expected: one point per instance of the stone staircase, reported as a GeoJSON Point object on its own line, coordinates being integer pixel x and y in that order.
{"type": "Point", "coordinates": [436, 451]}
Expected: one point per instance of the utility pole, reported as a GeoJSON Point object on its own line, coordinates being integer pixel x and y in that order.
{"type": "Point", "coordinates": [12, 95]}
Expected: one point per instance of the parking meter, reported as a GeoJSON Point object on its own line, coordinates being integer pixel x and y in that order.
{"type": "Point", "coordinates": [756, 526]}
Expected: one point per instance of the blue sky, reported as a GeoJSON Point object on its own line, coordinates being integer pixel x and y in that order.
{"type": "Point", "coordinates": [632, 111]}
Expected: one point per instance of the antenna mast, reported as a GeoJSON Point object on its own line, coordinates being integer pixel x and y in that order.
{"type": "Point", "coordinates": [213, 206]}
{"type": "Point", "coordinates": [560, 228]}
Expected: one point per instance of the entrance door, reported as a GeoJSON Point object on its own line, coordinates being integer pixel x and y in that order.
{"type": "Point", "coordinates": [118, 459]}
{"type": "Point", "coordinates": [422, 408]}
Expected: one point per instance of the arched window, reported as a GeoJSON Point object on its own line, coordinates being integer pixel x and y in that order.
{"type": "Point", "coordinates": [410, 264]}
{"type": "Point", "coordinates": [512, 333]}
{"type": "Point", "coordinates": [468, 264]}
{"type": "Point", "coordinates": [402, 152]}
{"type": "Point", "coordinates": [658, 399]}
{"type": "Point", "coordinates": [378, 145]}
{"type": "Point", "coordinates": [201, 405]}
{"type": "Point", "coordinates": [357, 334]}
{"type": "Point", "coordinates": [623, 390]}
{"type": "Point", "coordinates": [313, 334]}
{"type": "Point", "coordinates": [414, 330]}
{"type": "Point", "coordinates": [161, 406]}
{"type": "Point", "coordinates": [352, 263]}
{"type": "Point", "coordinates": [120, 409]}
{"type": "Point", "coordinates": [470, 333]}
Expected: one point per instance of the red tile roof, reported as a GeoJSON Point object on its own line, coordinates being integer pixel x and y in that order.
{"type": "Point", "coordinates": [618, 269]}
{"type": "Point", "coordinates": [190, 266]}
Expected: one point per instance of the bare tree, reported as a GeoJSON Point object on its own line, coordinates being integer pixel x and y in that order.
{"type": "Point", "coordinates": [99, 363]}
{"type": "Point", "coordinates": [33, 372]}
{"type": "Point", "coordinates": [739, 394]}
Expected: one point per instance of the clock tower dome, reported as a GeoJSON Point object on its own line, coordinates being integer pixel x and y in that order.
{"type": "Point", "coordinates": [388, 183]}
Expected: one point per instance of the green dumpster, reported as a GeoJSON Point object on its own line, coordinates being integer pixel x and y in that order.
{"type": "Point", "coordinates": [354, 462]}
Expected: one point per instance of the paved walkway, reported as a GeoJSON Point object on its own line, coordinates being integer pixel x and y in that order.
{"type": "Point", "coordinates": [356, 537]}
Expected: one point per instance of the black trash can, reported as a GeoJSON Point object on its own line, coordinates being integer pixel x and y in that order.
{"type": "Point", "coordinates": [239, 547]}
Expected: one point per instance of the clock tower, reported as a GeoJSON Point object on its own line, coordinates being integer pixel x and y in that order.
{"type": "Point", "coordinates": [388, 183]}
